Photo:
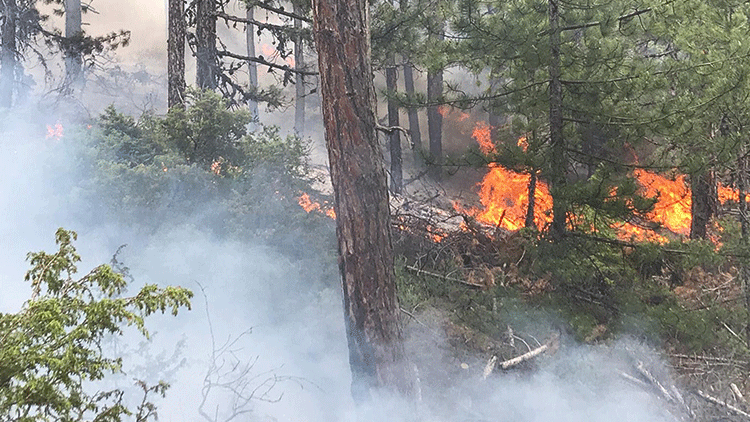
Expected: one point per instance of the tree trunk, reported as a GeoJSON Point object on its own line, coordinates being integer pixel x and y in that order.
{"type": "Point", "coordinates": [206, 54]}
{"type": "Point", "coordinates": [744, 270]}
{"type": "Point", "coordinates": [252, 67]}
{"type": "Point", "coordinates": [703, 203]}
{"type": "Point", "coordinates": [529, 222]}
{"type": "Point", "coordinates": [376, 351]}
{"type": "Point", "coordinates": [299, 79]}
{"type": "Point", "coordinates": [435, 122]}
{"type": "Point", "coordinates": [559, 164]}
{"type": "Point", "coordinates": [73, 33]}
{"type": "Point", "coordinates": [8, 53]}
{"type": "Point", "coordinates": [176, 54]}
{"type": "Point", "coordinates": [414, 131]}
{"type": "Point", "coordinates": [397, 175]}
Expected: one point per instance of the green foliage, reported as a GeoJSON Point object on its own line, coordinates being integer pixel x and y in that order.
{"type": "Point", "coordinates": [158, 169]}
{"type": "Point", "coordinates": [50, 351]}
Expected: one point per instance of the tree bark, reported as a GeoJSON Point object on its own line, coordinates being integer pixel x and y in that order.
{"type": "Point", "coordinates": [252, 67]}
{"type": "Point", "coordinates": [435, 123]}
{"type": "Point", "coordinates": [73, 32]}
{"type": "Point", "coordinates": [8, 61]}
{"type": "Point", "coordinates": [176, 54]}
{"type": "Point", "coordinates": [703, 203]}
{"type": "Point", "coordinates": [206, 54]}
{"type": "Point", "coordinates": [559, 164]}
{"type": "Point", "coordinates": [299, 79]}
{"type": "Point", "coordinates": [376, 351]}
{"type": "Point", "coordinates": [397, 175]}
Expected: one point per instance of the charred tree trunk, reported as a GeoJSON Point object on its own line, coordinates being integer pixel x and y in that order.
{"type": "Point", "coordinates": [252, 67]}
{"type": "Point", "coordinates": [703, 203]}
{"type": "Point", "coordinates": [376, 351]}
{"type": "Point", "coordinates": [397, 175]}
{"type": "Point", "coordinates": [299, 79]}
{"type": "Point", "coordinates": [435, 122]}
{"type": "Point", "coordinates": [73, 34]}
{"type": "Point", "coordinates": [205, 50]}
{"type": "Point", "coordinates": [176, 54]}
{"type": "Point", "coordinates": [744, 217]}
{"type": "Point", "coordinates": [559, 163]}
{"type": "Point", "coordinates": [529, 222]}
{"type": "Point", "coordinates": [8, 52]}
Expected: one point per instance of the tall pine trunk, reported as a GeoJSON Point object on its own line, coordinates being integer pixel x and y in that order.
{"type": "Point", "coordinates": [414, 131]}
{"type": "Point", "coordinates": [703, 202]}
{"type": "Point", "coordinates": [435, 122]}
{"type": "Point", "coordinates": [252, 67]}
{"type": "Point", "coordinates": [397, 175]}
{"type": "Point", "coordinates": [8, 53]}
{"type": "Point", "coordinates": [559, 163]}
{"type": "Point", "coordinates": [376, 350]}
{"type": "Point", "coordinates": [73, 33]}
{"type": "Point", "coordinates": [206, 55]}
{"type": "Point", "coordinates": [299, 79]}
{"type": "Point", "coordinates": [176, 54]}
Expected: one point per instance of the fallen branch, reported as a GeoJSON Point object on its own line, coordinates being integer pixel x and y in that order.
{"type": "Point", "coordinates": [531, 354]}
{"type": "Point", "coordinates": [722, 403]}
{"type": "Point", "coordinates": [419, 271]}
{"type": "Point", "coordinates": [647, 375]}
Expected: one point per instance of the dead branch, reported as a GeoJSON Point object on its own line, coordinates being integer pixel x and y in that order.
{"type": "Point", "coordinates": [551, 343]}
{"type": "Point", "coordinates": [723, 404]}
{"type": "Point", "coordinates": [647, 375]}
{"type": "Point", "coordinates": [390, 129]}
{"type": "Point", "coordinates": [419, 271]}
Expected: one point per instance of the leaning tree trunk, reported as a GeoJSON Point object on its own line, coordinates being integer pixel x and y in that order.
{"type": "Point", "coordinates": [73, 34]}
{"type": "Point", "coordinates": [397, 174]}
{"type": "Point", "coordinates": [376, 351]}
{"type": "Point", "coordinates": [299, 79]}
{"type": "Point", "coordinates": [252, 70]}
{"type": "Point", "coordinates": [8, 52]}
{"type": "Point", "coordinates": [205, 51]}
{"type": "Point", "coordinates": [559, 164]}
{"type": "Point", "coordinates": [176, 54]}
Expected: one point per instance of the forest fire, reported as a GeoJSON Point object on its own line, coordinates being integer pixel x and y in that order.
{"type": "Point", "coordinates": [504, 195]}
{"type": "Point", "coordinates": [309, 205]}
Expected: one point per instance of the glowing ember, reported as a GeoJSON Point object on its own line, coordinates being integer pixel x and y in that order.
{"type": "Point", "coordinates": [308, 205]}
{"type": "Point", "coordinates": [54, 132]}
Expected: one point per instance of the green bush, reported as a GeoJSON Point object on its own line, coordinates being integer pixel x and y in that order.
{"type": "Point", "coordinates": [51, 350]}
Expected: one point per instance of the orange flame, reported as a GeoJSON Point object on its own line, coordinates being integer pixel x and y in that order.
{"type": "Point", "coordinates": [54, 132]}
{"type": "Point", "coordinates": [482, 134]}
{"type": "Point", "coordinates": [309, 205]}
{"type": "Point", "coordinates": [672, 208]}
